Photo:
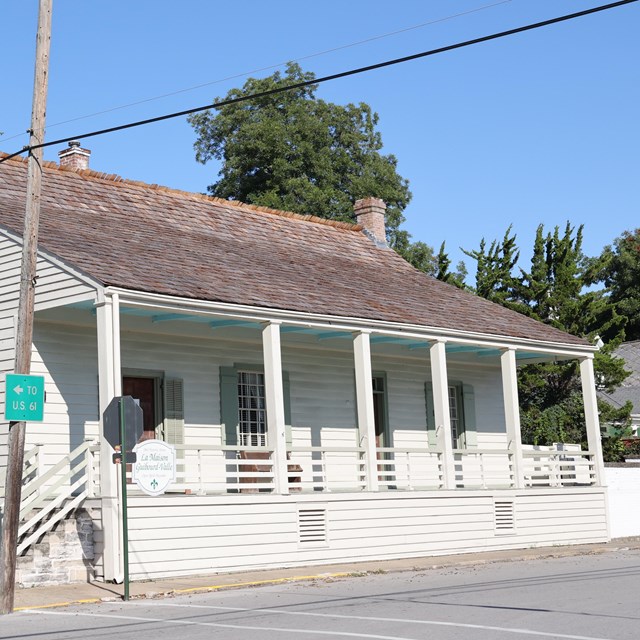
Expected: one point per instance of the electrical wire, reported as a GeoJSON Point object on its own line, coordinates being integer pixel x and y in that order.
{"type": "Point", "coordinates": [268, 68]}
{"type": "Point", "coordinates": [335, 76]}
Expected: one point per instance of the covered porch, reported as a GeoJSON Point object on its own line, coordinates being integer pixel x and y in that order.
{"type": "Point", "coordinates": [310, 406]}
{"type": "Point", "coordinates": [316, 439]}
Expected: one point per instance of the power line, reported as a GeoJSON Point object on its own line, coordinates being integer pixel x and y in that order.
{"type": "Point", "coordinates": [272, 66]}
{"type": "Point", "coordinates": [335, 76]}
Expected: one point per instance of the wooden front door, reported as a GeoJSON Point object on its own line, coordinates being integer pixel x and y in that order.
{"type": "Point", "coordinates": [143, 390]}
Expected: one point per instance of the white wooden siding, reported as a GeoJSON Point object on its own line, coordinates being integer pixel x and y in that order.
{"type": "Point", "coordinates": [7, 358]}
{"type": "Point", "coordinates": [55, 286]}
{"type": "Point", "coordinates": [234, 534]}
{"type": "Point", "coordinates": [67, 357]}
{"type": "Point", "coordinates": [321, 387]}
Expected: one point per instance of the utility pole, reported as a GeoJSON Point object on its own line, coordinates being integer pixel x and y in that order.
{"type": "Point", "coordinates": [24, 334]}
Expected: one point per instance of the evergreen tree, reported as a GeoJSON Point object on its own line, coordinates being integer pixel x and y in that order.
{"type": "Point", "coordinates": [443, 262]}
{"type": "Point", "coordinates": [554, 291]}
{"type": "Point", "coordinates": [620, 270]}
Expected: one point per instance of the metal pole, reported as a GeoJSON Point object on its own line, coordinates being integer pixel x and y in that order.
{"type": "Point", "coordinates": [24, 332]}
{"type": "Point", "coordinates": [123, 477]}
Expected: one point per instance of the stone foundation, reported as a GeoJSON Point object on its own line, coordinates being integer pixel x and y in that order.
{"type": "Point", "coordinates": [64, 554]}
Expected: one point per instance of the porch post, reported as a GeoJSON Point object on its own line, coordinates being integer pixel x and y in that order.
{"type": "Point", "coordinates": [108, 471]}
{"type": "Point", "coordinates": [440, 382]}
{"type": "Point", "coordinates": [512, 413]}
{"type": "Point", "coordinates": [591, 419]}
{"type": "Point", "coordinates": [274, 397]}
{"type": "Point", "coordinates": [117, 366]}
{"type": "Point", "coordinates": [364, 405]}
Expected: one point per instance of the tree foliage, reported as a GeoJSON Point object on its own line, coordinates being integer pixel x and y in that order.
{"type": "Point", "coordinates": [293, 151]}
{"type": "Point", "coordinates": [619, 268]}
{"type": "Point", "coordinates": [555, 290]}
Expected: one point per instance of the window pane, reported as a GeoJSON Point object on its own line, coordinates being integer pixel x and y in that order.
{"type": "Point", "coordinates": [453, 412]}
{"type": "Point", "coordinates": [251, 409]}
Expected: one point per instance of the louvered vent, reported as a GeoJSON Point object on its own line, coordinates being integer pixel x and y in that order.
{"type": "Point", "coordinates": [312, 527]}
{"type": "Point", "coordinates": [504, 517]}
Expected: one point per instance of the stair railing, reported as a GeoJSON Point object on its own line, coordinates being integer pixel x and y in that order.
{"type": "Point", "coordinates": [56, 492]}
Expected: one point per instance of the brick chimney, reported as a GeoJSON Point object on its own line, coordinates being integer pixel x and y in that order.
{"type": "Point", "coordinates": [370, 214]}
{"type": "Point", "coordinates": [75, 157]}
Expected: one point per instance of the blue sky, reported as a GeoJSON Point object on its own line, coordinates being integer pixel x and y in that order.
{"type": "Point", "coordinates": [541, 127]}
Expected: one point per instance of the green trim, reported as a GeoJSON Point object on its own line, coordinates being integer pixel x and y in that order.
{"type": "Point", "coordinates": [286, 393]}
{"type": "Point", "coordinates": [465, 398]}
{"type": "Point", "coordinates": [229, 404]}
{"type": "Point", "coordinates": [469, 411]}
{"type": "Point", "coordinates": [229, 399]}
{"type": "Point", "coordinates": [431, 415]}
{"type": "Point", "coordinates": [387, 434]}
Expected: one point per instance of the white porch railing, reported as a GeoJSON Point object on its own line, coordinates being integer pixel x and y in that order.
{"type": "Point", "coordinates": [217, 469]}
{"type": "Point", "coordinates": [327, 469]}
{"type": "Point", "coordinates": [48, 497]}
{"type": "Point", "coordinates": [550, 467]}
{"type": "Point", "coordinates": [207, 469]}
{"type": "Point", "coordinates": [483, 469]}
{"type": "Point", "coordinates": [409, 468]}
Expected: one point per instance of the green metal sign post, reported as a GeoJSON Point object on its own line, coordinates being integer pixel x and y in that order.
{"type": "Point", "coordinates": [122, 427]}
{"type": "Point", "coordinates": [24, 400]}
{"type": "Point", "coordinates": [125, 524]}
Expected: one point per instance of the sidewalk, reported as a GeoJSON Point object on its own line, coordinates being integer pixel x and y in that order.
{"type": "Point", "coordinates": [85, 593]}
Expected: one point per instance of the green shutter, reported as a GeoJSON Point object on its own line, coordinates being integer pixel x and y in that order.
{"type": "Point", "coordinates": [431, 416]}
{"type": "Point", "coordinates": [174, 411]}
{"type": "Point", "coordinates": [229, 404]}
{"type": "Point", "coordinates": [286, 392]}
{"type": "Point", "coordinates": [469, 410]}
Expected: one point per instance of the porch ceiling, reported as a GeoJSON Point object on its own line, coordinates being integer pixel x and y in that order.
{"type": "Point", "coordinates": [322, 334]}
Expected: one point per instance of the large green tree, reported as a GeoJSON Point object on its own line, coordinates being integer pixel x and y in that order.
{"type": "Point", "coordinates": [555, 290]}
{"type": "Point", "coordinates": [293, 151]}
{"type": "Point", "coordinates": [620, 270]}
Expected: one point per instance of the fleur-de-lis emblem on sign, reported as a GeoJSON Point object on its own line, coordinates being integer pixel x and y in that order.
{"type": "Point", "coordinates": [154, 483]}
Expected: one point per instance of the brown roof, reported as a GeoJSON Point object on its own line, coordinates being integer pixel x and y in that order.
{"type": "Point", "coordinates": [151, 238]}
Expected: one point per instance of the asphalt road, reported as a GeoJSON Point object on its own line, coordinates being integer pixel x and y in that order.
{"type": "Point", "coordinates": [590, 597]}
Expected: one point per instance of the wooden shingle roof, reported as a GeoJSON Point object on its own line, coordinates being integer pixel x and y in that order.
{"type": "Point", "coordinates": [149, 238]}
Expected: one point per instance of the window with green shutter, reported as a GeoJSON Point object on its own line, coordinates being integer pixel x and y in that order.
{"type": "Point", "coordinates": [462, 412]}
{"type": "Point", "coordinates": [243, 411]}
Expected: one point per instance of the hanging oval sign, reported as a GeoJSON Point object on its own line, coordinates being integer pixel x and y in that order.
{"type": "Point", "coordinates": [155, 467]}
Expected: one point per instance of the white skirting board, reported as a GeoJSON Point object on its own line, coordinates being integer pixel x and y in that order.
{"type": "Point", "coordinates": [176, 534]}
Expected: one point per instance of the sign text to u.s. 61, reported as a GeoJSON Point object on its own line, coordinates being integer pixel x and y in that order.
{"type": "Point", "coordinates": [24, 398]}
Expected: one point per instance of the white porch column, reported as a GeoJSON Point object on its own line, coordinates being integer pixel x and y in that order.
{"type": "Point", "coordinates": [512, 413]}
{"type": "Point", "coordinates": [117, 366]}
{"type": "Point", "coordinates": [109, 500]}
{"type": "Point", "coordinates": [274, 397]}
{"type": "Point", "coordinates": [442, 416]}
{"type": "Point", "coordinates": [364, 405]}
{"type": "Point", "coordinates": [591, 419]}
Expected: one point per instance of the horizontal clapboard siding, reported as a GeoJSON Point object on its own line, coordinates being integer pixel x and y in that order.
{"type": "Point", "coordinates": [234, 534]}
{"type": "Point", "coordinates": [55, 286]}
{"type": "Point", "coordinates": [7, 357]}
{"type": "Point", "coordinates": [67, 357]}
{"type": "Point", "coordinates": [322, 391]}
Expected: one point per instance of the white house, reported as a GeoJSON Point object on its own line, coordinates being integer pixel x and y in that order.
{"type": "Point", "coordinates": [328, 402]}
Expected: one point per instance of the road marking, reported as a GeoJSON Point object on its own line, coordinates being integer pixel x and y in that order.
{"type": "Point", "coordinates": [221, 625]}
{"type": "Point", "coordinates": [203, 589]}
{"type": "Point", "coordinates": [437, 623]}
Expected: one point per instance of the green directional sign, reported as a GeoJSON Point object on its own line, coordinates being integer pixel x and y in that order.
{"type": "Point", "coordinates": [24, 398]}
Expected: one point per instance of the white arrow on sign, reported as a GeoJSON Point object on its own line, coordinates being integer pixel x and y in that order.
{"type": "Point", "coordinates": [18, 389]}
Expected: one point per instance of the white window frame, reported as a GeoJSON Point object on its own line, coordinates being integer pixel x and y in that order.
{"type": "Point", "coordinates": [252, 409]}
